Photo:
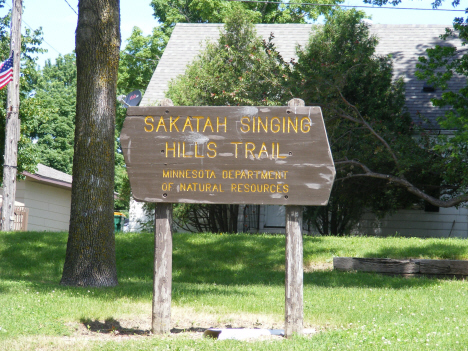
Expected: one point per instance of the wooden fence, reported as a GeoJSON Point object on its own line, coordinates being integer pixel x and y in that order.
{"type": "Point", "coordinates": [21, 218]}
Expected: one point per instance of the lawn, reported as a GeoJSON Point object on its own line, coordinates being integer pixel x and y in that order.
{"type": "Point", "coordinates": [230, 280]}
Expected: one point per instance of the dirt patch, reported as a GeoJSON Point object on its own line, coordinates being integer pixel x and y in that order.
{"type": "Point", "coordinates": [186, 323]}
{"type": "Point", "coordinates": [318, 266]}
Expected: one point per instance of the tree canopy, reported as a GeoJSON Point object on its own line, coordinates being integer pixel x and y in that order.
{"type": "Point", "coordinates": [170, 12]}
{"type": "Point", "coordinates": [384, 161]}
{"type": "Point", "coordinates": [239, 69]}
{"type": "Point", "coordinates": [439, 69]}
{"type": "Point", "coordinates": [442, 64]}
{"type": "Point", "coordinates": [365, 116]}
{"type": "Point", "coordinates": [55, 88]}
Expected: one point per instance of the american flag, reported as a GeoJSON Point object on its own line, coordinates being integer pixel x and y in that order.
{"type": "Point", "coordinates": [6, 72]}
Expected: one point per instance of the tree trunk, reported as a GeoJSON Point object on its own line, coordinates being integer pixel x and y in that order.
{"type": "Point", "coordinates": [90, 256]}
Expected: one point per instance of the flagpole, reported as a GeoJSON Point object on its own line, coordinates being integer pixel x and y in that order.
{"type": "Point", "coordinates": [12, 125]}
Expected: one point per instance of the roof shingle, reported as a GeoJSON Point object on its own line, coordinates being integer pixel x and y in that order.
{"type": "Point", "coordinates": [405, 43]}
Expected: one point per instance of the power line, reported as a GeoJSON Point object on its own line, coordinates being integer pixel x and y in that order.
{"type": "Point", "coordinates": [342, 5]}
{"type": "Point", "coordinates": [71, 7]}
{"type": "Point", "coordinates": [141, 58]}
{"type": "Point", "coordinates": [22, 20]}
{"type": "Point", "coordinates": [58, 52]}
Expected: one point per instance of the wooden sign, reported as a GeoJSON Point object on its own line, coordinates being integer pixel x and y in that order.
{"type": "Point", "coordinates": [228, 155]}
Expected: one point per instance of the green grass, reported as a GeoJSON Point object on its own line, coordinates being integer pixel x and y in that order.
{"type": "Point", "coordinates": [231, 279]}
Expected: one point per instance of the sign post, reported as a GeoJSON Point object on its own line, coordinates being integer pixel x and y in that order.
{"type": "Point", "coordinates": [294, 311]}
{"type": "Point", "coordinates": [270, 155]}
{"type": "Point", "coordinates": [162, 282]}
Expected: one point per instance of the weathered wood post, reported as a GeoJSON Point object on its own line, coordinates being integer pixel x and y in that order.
{"type": "Point", "coordinates": [162, 288]}
{"type": "Point", "coordinates": [12, 123]}
{"type": "Point", "coordinates": [294, 314]}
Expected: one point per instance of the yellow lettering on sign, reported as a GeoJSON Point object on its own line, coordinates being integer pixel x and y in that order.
{"type": "Point", "coordinates": [166, 186]}
{"type": "Point", "coordinates": [262, 125]}
{"type": "Point", "coordinates": [188, 123]}
{"type": "Point", "coordinates": [183, 151]}
{"type": "Point", "coordinates": [161, 124]}
{"type": "Point", "coordinates": [188, 173]}
{"type": "Point", "coordinates": [278, 152]}
{"type": "Point", "coordinates": [263, 150]}
{"type": "Point", "coordinates": [200, 187]}
{"type": "Point", "coordinates": [149, 124]}
{"type": "Point", "coordinates": [211, 146]}
{"type": "Point", "coordinates": [245, 127]}
{"type": "Point", "coordinates": [250, 174]}
{"type": "Point", "coordinates": [218, 124]}
{"type": "Point", "coordinates": [198, 118]}
{"type": "Point", "coordinates": [275, 128]}
{"type": "Point", "coordinates": [254, 124]}
{"type": "Point", "coordinates": [169, 149]}
{"type": "Point", "coordinates": [236, 143]}
{"type": "Point", "coordinates": [249, 147]}
{"type": "Point", "coordinates": [305, 124]}
{"type": "Point", "coordinates": [208, 124]}
{"type": "Point", "coordinates": [180, 148]}
{"type": "Point", "coordinates": [259, 188]}
{"type": "Point", "coordinates": [196, 151]}
{"type": "Point", "coordinates": [292, 124]}
{"type": "Point", "coordinates": [173, 123]}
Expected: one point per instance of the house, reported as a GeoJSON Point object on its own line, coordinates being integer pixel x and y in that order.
{"type": "Point", "coordinates": [188, 40]}
{"type": "Point", "coordinates": [47, 195]}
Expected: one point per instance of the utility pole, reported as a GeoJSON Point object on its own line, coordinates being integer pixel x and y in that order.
{"type": "Point", "coordinates": [12, 124]}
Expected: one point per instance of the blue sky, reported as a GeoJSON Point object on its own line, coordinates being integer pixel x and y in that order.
{"type": "Point", "coordinates": [58, 20]}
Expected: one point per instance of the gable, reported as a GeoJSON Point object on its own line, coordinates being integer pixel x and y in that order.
{"type": "Point", "coordinates": [405, 43]}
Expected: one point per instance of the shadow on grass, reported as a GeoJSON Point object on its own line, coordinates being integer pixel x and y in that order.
{"type": "Point", "coordinates": [239, 260]}
{"type": "Point", "coordinates": [110, 326]}
{"type": "Point", "coordinates": [32, 256]}
{"type": "Point", "coordinates": [199, 262]}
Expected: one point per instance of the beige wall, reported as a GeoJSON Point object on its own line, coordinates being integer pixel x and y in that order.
{"type": "Point", "coordinates": [49, 206]}
{"type": "Point", "coordinates": [448, 222]}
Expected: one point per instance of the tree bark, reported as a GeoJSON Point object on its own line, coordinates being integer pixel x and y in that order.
{"type": "Point", "coordinates": [90, 256]}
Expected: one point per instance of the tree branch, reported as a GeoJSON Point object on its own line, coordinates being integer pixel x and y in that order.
{"type": "Point", "coordinates": [404, 183]}
{"type": "Point", "coordinates": [368, 126]}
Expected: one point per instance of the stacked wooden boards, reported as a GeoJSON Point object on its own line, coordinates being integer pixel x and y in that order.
{"type": "Point", "coordinates": [405, 267]}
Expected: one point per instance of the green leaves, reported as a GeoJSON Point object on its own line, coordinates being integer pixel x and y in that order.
{"type": "Point", "coordinates": [139, 59]}
{"type": "Point", "coordinates": [29, 108]}
{"type": "Point", "coordinates": [170, 12]}
{"type": "Point", "coordinates": [443, 66]}
{"type": "Point", "coordinates": [53, 132]}
{"type": "Point", "coordinates": [239, 69]}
